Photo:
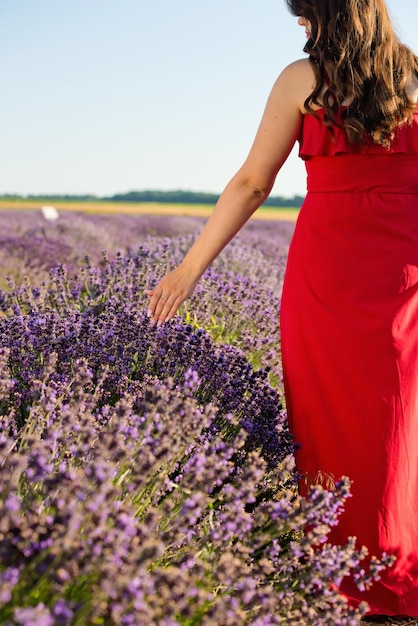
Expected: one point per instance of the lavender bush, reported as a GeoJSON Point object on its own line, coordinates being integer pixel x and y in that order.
{"type": "Point", "coordinates": [247, 275]}
{"type": "Point", "coordinates": [31, 246]}
{"type": "Point", "coordinates": [147, 474]}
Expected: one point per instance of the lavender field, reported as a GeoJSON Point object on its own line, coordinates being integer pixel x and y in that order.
{"type": "Point", "coordinates": [147, 474]}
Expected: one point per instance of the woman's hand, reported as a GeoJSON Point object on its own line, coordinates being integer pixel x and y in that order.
{"type": "Point", "coordinates": [172, 290]}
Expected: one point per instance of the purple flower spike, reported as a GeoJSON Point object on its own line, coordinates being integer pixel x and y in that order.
{"type": "Point", "coordinates": [147, 474]}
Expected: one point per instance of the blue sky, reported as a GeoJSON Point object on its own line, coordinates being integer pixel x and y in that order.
{"type": "Point", "coordinates": [108, 96]}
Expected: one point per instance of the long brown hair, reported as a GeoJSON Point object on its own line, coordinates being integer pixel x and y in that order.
{"type": "Point", "coordinates": [355, 43]}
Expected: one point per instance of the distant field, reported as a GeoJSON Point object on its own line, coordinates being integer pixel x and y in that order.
{"type": "Point", "coordinates": [132, 208]}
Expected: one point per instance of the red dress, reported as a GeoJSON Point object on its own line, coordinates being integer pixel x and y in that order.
{"type": "Point", "coordinates": [349, 324]}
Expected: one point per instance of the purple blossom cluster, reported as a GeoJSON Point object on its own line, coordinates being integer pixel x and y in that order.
{"type": "Point", "coordinates": [147, 474]}
{"type": "Point", "coordinates": [101, 319]}
{"type": "Point", "coordinates": [31, 246]}
{"type": "Point", "coordinates": [247, 276]}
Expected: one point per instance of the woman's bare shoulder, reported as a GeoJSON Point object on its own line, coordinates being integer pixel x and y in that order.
{"type": "Point", "coordinates": [412, 89]}
{"type": "Point", "coordinates": [303, 65]}
{"type": "Point", "coordinates": [298, 79]}
{"type": "Point", "coordinates": [300, 70]}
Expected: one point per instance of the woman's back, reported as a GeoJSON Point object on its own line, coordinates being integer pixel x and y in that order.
{"type": "Point", "coordinates": [349, 323]}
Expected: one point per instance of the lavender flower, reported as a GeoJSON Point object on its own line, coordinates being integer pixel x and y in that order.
{"type": "Point", "coordinates": [147, 475]}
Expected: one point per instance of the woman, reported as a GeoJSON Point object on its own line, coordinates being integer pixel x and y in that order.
{"type": "Point", "coordinates": [349, 316]}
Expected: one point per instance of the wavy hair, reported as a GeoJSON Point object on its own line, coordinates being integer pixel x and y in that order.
{"type": "Point", "coordinates": [354, 43]}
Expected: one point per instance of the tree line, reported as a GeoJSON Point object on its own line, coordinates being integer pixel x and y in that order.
{"type": "Point", "coordinates": [169, 197]}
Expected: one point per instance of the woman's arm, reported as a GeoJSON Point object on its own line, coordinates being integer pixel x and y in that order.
{"type": "Point", "coordinates": [246, 191]}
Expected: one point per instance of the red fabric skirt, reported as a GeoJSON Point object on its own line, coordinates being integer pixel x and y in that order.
{"type": "Point", "coordinates": [349, 327]}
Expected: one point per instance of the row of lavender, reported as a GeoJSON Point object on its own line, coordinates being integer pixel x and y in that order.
{"type": "Point", "coordinates": [147, 475]}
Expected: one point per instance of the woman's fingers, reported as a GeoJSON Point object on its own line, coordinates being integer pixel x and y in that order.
{"type": "Point", "coordinates": [172, 306]}
{"type": "Point", "coordinates": [169, 294]}
{"type": "Point", "coordinates": [163, 305]}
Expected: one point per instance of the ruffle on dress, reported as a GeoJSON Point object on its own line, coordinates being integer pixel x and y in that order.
{"type": "Point", "coordinates": [316, 139]}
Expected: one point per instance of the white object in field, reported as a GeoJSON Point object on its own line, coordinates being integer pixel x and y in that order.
{"type": "Point", "coordinates": [50, 213]}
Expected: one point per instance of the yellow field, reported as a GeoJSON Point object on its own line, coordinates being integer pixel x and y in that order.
{"type": "Point", "coordinates": [152, 208]}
